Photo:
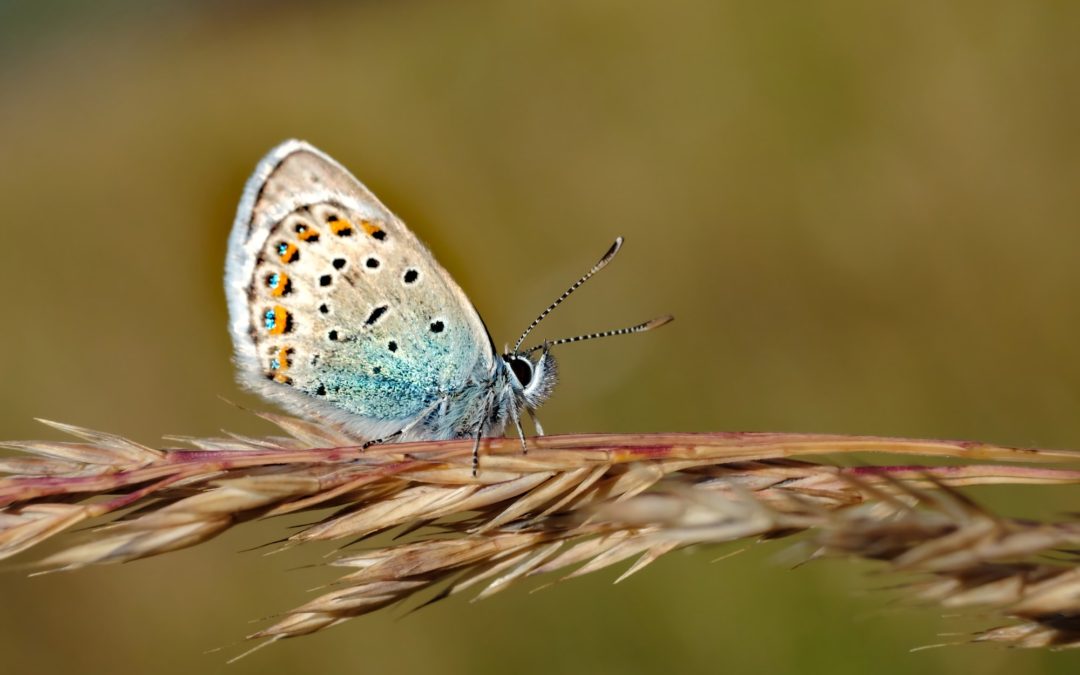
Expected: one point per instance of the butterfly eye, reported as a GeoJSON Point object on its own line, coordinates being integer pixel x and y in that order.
{"type": "Point", "coordinates": [522, 370]}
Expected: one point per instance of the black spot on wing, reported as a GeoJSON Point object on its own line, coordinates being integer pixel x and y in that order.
{"type": "Point", "coordinates": [376, 314]}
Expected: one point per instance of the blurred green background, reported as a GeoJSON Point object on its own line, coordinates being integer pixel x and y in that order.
{"type": "Point", "coordinates": [864, 216]}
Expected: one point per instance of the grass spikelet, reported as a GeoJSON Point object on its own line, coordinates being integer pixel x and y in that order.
{"type": "Point", "coordinates": [571, 506]}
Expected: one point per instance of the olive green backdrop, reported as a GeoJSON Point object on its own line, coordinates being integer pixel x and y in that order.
{"type": "Point", "coordinates": [864, 216]}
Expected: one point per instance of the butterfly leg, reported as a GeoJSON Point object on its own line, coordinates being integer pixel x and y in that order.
{"type": "Point", "coordinates": [521, 432]}
{"type": "Point", "coordinates": [380, 441]}
{"type": "Point", "coordinates": [476, 452]}
{"type": "Point", "coordinates": [536, 422]}
{"type": "Point", "coordinates": [439, 404]}
{"type": "Point", "coordinates": [489, 401]}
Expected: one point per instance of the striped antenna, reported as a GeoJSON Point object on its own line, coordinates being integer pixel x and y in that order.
{"type": "Point", "coordinates": [640, 328]}
{"type": "Point", "coordinates": [577, 284]}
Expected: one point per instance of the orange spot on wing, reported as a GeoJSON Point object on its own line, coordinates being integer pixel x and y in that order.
{"type": "Point", "coordinates": [308, 234]}
{"type": "Point", "coordinates": [289, 254]}
{"type": "Point", "coordinates": [281, 322]}
{"type": "Point", "coordinates": [280, 361]}
{"type": "Point", "coordinates": [282, 285]}
{"type": "Point", "coordinates": [370, 228]}
{"type": "Point", "coordinates": [284, 357]}
{"type": "Point", "coordinates": [341, 227]}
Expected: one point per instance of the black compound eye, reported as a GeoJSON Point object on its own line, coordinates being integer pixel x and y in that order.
{"type": "Point", "coordinates": [522, 370]}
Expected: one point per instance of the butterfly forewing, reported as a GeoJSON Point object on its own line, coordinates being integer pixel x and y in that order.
{"type": "Point", "coordinates": [337, 307]}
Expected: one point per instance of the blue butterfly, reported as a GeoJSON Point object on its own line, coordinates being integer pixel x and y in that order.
{"type": "Point", "coordinates": [338, 312]}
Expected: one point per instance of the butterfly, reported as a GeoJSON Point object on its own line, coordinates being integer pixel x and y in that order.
{"type": "Point", "coordinates": [339, 313]}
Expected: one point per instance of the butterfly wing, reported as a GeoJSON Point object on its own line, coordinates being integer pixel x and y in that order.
{"type": "Point", "coordinates": [336, 309]}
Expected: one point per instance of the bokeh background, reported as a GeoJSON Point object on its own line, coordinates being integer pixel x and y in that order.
{"type": "Point", "coordinates": [864, 216]}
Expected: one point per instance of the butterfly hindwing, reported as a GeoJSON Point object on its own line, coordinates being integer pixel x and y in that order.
{"type": "Point", "coordinates": [335, 306]}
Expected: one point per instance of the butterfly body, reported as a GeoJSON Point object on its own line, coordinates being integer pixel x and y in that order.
{"type": "Point", "coordinates": [339, 312]}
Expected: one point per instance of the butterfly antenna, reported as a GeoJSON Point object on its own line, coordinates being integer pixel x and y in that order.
{"type": "Point", "coordinates": [640, 328]}
{"type": "Point", "coordinates": [577, 284]}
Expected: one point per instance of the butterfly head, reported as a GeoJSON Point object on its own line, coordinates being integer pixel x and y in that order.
{"type": "Point", "coordinates": [533, 377]}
